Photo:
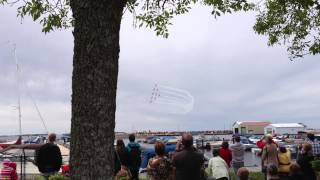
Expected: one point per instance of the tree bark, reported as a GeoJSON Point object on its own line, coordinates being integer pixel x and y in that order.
{"type": "Point", "coordinates": [94, 86]}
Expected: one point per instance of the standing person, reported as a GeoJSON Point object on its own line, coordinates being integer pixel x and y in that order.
{"type": "Point", "coordinates": [121, 157]}
{"type": "Point", "coordinates": [134, 150]}
{"type": "Point", "coordinates": [304, 161]}
{"type": "Point", "coordinates": [314, 143]}
{"type": "Point", "coordinates": [225, 153]}
{"type": "Point", "coordinates": [8, 171]}
{"type": "Point", "coordinates": [48, 157]}
{"type": "Point", "coordinates": [188, 163]}
{"type": "Point", "coordinates": [284, 157]}
{"type": "Point", "coordinates": [237, 150]}
{"type": "Point", "coordinates": [159, 167]}
{"type": "Point", "coordinates": [217, 167]}
{"type": "Point", "coordinates": [269, 155]}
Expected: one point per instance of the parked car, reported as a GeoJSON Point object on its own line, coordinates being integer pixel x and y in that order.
{"type": "Point", "coordinates": [278, 139]}
{"type": "Point", "coordinates": [254, 139]}
{"type": "Point", "coordinates": [246, 143]}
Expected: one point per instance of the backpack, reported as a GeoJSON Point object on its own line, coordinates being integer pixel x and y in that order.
{"type": "Point", "coordinates": [135, 157]}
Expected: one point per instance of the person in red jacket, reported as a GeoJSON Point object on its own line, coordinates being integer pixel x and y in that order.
{"type": "Point", "coordinates": [225, 152]}
{"type": "Point", "coordinates": [8, 170]}
{"type": "Point", "coordinates": [261, 143]}
{"type": "Point", "coordinates": [65, 170]}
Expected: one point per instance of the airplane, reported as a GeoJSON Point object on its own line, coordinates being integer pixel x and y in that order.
{"type": "Point", "coordinates": [5, 145]}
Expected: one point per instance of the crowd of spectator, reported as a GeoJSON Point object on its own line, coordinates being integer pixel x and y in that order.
{"type": "Point", "coordinates": [186, 163]}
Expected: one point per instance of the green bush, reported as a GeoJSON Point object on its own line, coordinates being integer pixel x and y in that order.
{"type": "Point", "coordinates": [316, 165]}
{"type": "Point", "coordinates": [54, 177]}
{"type": "Point", "coordinates": [256, 176]}
{"type": "Point", "coordinates": [57, 177]}
{"type": "Point", "coordinates": [40, 178]}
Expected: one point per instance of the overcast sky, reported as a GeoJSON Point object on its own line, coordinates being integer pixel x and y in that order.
{"type": "Point", "coordinates": [229, 71]}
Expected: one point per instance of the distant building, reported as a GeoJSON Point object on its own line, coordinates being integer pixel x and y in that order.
{"type": "Point", "coordinates": [249, 127]}
{"type": "Point", "coordinates": [284, 128]}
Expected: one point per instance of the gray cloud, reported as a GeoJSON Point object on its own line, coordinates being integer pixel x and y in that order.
{"type": "Point", "coordinates": [229, 70]}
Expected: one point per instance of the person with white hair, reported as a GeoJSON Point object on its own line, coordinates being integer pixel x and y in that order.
{"type": "Point", "coordinates": [217, 167]}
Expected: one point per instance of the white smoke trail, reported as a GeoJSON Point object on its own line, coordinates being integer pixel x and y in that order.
{"type": "Point", "coordinates": [171, 100]}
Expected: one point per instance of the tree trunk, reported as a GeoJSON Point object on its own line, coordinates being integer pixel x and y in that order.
{"type": "Point", "coordinates": [94, 86]}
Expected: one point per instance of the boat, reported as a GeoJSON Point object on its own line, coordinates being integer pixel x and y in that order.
{"type": "Point", "coordinates": [19, 140]}
{"type": "Point", "coordinates": [165, 139]}
{"type": "Point", "coordinates": [207, 142]}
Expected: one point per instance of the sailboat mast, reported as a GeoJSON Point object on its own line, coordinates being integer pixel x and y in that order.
{"type": "Point", "coordinates": [18, 87]}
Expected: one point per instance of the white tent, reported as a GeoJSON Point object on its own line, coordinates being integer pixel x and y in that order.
{"type": "Point", "coordinates": [284, 128]}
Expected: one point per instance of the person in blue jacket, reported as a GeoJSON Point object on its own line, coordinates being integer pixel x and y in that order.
{"type": "Point", "coordinates": [134, 150]}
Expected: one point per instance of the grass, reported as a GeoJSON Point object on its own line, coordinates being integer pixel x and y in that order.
{"type": "Point", "coordinates": [252, 175]}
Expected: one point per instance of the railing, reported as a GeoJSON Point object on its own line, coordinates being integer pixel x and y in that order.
{"type": "Point", "coordinates": [26, 162]}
